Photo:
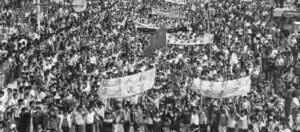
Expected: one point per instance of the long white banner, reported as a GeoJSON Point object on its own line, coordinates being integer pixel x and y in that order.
{"type": "Point", "coordinates": [147, 26]}
{"type": "Point", "coordinates": [127, 86]}
{"type": "Point", "coordinates": [279, 11]}
{"type": "Point", "coordinates": [205, 39]}
{"type": "Point", "coordinates": [166, 14]}
{"type": "Point", "coordinates": [246, 0]}
{"type": "Point", "coordinates": [222, 89]}
{"type": "Point", "coordinates": [180, 2]}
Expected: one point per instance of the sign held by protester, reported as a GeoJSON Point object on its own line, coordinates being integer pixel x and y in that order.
{"type": "Point", "coordinates": [79, 5]}
{"type": "Point", "coordinates": [246, 0]}
{"type": "Point", "coordinates": [127, 86]}
{"type": "Point", "coordinates": [222, 89]}
{"type": "Point", "coordinates": [205, 39]}
{"type": "Point", "coordinates": [180, 2]}
{"type": "Point", "coordinates": [166, 14]}
{"type": "Point", "coordinates": [145, 26]}
{"type": "Point", "coordinates": [278, 12]}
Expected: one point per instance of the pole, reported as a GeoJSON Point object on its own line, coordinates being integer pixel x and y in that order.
{"type": "Point", "coordinates": [38, 10]}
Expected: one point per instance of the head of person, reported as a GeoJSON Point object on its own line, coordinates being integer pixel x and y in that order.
{"type": "Point", "coordinates": [1, 93]}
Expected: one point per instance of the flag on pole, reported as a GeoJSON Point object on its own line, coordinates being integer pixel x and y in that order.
{"type": "Point", "coordinates": [158, 40]}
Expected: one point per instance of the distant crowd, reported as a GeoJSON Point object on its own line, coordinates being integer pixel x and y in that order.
{"type": "Point", "coordinates": [58, 69]}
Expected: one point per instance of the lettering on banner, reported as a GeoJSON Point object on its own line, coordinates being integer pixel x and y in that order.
{"type": "Point", "coordinates": [118, 81]}
{"type": "Point", "coordinates": [211, 85]}
{"type": "Point", "coordinates": [224, 85]}
{"type": "Point", "coordinates": [200, 83]}
{"type": "Point", "coordinates": [105, 83]}
{"type": "Point", "coordinates": [142, 78]}
{"type": "Point", "coordinates": [238, 82]}
{"type": "Point", "coordinates": [206, 92]}
{"type": "Point", "coordinates": [131, 89]}
{"type": "Point", "coordinates": [103, 91]}
{"type": "Point", "coordinates": [221, 94]}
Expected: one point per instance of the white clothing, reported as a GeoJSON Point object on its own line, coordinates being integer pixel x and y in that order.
{"type": "Point", "coordinates": [90, 118]}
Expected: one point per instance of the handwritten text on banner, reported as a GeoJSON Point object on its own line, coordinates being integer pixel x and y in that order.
{"type": "Point", "coordinates": [127, 86]}
{"type": "Point", "coordinates": [205, 39]}
{"type": "Point", "coordinates": [166, 14]}
{"type": "Point", "coordinates": [222, 89]}
{"type": "Point", "coordinates": [146, 26]}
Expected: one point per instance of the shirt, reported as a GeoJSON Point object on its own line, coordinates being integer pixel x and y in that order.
{"type": "Point", "coordinates": [90, 118]}
{"type": "Point", "coordinates": [243, 123]}
{"type": "Point", "coordinates": [195, 119]}
{"type": "Point", "coordinates": [231, 122]}
{"type": "Point", "coordinates": [79, 120]}
{"type": "Point", "coordinates": [297, 120]}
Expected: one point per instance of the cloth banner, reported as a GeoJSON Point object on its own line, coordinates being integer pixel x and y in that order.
{"type": "Point", "coordinates": [246, 0]}
{"type": "Point", "coordinates": [291, 14]}
{"type": "Point", "coordinates": [166, 14]}
{"type": "Point", "coordinates": [79, 5]}
{"type": "Point", "coordinates": [205, 39]}
{"type": "Point", "coordinates": [222, 89]}
{"type": "Point", "coordinates": [279, 11]}
{"type": "Point", "coordinates": [180, 2]}
{"type": "Point", "coordinates": [145, 26]}
{"type": "Point", "coordinates": [127, 86]}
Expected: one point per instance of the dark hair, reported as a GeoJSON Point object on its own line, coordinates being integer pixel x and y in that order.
{"type": "Point", "coordinates": [20, 101]}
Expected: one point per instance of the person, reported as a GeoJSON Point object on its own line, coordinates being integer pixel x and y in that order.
{"type": "Point", "coordinates": [52, 121]}
{"type": "Point", "coordinates": [223, 120]}
{"type": "Point", "coordinates": [108, 122]}
{"type": "Point", "coordinates": [203, 119]}
{"type": "Point", "coordinates": [119, 116]}
{"type": "Point", "coordinates": [127, 119]}
{"type": "Point", "coordinates": [232, 119]}
{"type": "Point", "coordinates": [285, 127]}
{"type": "Point", "coordinates": [78, 115]}
{"type": "Point", "coordinates": [214, 118]}
{"type": "Point", "coordinates": [25, 117]}
{"type": "Point", "coordinates": [185, 120]}
{"type": "Point", "coordinates": [38, 118]}
{"type": "Point", "coordinates": [138, 116]}
{"type": "Point", "coordinates": [157, 122]}
{"type": "Point", "coordinates": [3, 128]}
{"type": "Point", "coordinates": [243, 121]}
{"type": "Point", "coordinates": [65, 121]}
{"type": "Point", "coordinates": [148, 123]}
{"type": "Point", "coordinates": [296, 120]}
{"type": "Point", "coordinates": [90, 119]}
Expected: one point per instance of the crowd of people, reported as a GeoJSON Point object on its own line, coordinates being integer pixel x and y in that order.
{"type": "Point", "coordinates": [58, 68]}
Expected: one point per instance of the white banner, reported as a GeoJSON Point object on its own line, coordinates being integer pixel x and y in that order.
{"type": "Point", "coordinates": [166, 14]}
{"type": "Point", "coordinates": [127, 86]}
{"type": "Point", "coordinates": [246, 0]}
{"type": "Point", "coordinates": [79, 5]}
{"type": "Point", "coordinates": [205, 39]}
{"type": "Point", "coordinates": [181, 2]}
{"type": "Point", "coordinates": [222, 89]}
{"type": "Point", "coordinates": [279, 11]}
{"type": "Point", "coordinates": [147, 26]}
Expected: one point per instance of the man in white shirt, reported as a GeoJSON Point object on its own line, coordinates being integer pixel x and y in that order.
{"type": "Point", "coordinates": [90, 118]}
{"type": "Point", "coordinates": [194, 120]}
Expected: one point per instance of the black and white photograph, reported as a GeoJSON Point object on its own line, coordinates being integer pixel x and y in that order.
{"type": "Point", "coordinates": [149, 66]}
